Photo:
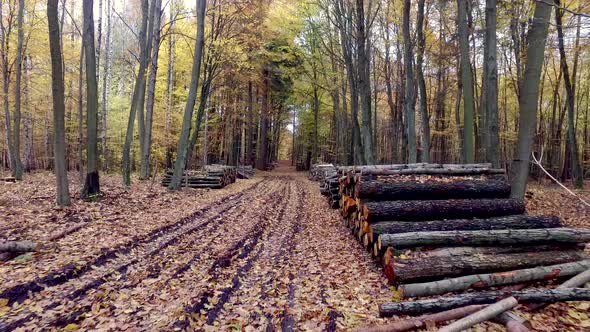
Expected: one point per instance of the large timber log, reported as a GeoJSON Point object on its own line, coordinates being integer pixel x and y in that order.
{"type": "Point", "coordinates": [495, 279]}
{"type": "Point", "coordinates": [434, 171]}
{"type": "Point", "coordinates": [535, 295]}
{"type": "Point", "coordinates": [441, 209]}
{"type": "Point", "coordinates": [400, 270]}
{"type": "Point", "coordinates": [516, 237]}
{"type": "Point", "coordinates": [436, 190]}
{"type": "Point", "coordinates": [17, 246]}
{"type": "Point", "coordinates": [508, 222]}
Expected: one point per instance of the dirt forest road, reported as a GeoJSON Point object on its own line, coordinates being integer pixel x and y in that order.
{"type": "Point", "coordinates": [262, 254]}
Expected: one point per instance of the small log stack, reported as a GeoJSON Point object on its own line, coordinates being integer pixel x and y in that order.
{"type": "Point", "coordinates": [210, 177]}
{"type": "Point", "coordinates": [245, 172]}
{"type": "Point", "coordinates": [449, 228]}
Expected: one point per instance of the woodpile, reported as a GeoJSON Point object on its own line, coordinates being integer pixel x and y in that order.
{"type": "Point", "coordinates": [245, 172]}
{"type": "Point", "coordinates": [439, 229]}
{"type": "Point", "coordinates": [328, 177]}
{"type": "Point", "coordinates": [211, 176]}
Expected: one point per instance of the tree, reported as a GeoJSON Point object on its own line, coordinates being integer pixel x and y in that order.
{"type": "Point", "coordinates": [364, 82]}
{"type": "Point", "coordinates": [570, 101]}
{"type": "Point", "coordinates": [4, 50]}
{"type": "Point", "coordinates": [183, 142]}
{"type": "Point", "coordinates": [467, 82]}
{"type": "Point", "coordinates": [106, 85]}
{"type": "Point", "coordinates": [490, 87]}
{"type": "Point", "coordinates": [92, 182]}
{"type": "Point", "coordinates": [18, 172]}
{"type": "Point", "coordinates": [410, 94]}
{"type": "Point", "coordinates": [537, 39]}
{"type": "Point", "coordinates": [57, 88]}
{"type": "Point", "coordinates": [424, 118]}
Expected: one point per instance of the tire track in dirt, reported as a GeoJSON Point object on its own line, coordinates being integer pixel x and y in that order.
{"type": "Point", "coordinates": [19, 292]}
{"type": "Point", "coordinates": [249, 255]}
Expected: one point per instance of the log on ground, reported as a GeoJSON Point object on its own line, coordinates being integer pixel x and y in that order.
{"type": "Point", "coordinates": [534, 295]}
{"type": "Point", "coordinates": [508, 222]}
{"type": "Point", "coordinates": [18, 246]}
{"type": "Point", "coordinates": [441, 209]}
{"type": "Point", "coordinates": [488, 312]}
{"type": "Point", "coordinates": [400, 270]}
{"type": "Point", "coordinates": [516, 237]}
{"type": "Point", "coordinates": [495, 279]}
{"type": "Point", "coordinates": [409, 190]}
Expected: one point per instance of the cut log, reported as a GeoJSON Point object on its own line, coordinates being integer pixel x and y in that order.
{"type": "Point", "coordinates": [495, 279]}
{"type": "Point", "coordinates": [18, 246]}
{"type": "Point", "coordinates": [516, 237]}
{"type": "Point", "coordinates": [434, 171]}
{"type": "Point", "coordinates": [508, 222]}
{"type": "Point", "coordinates": [404, 270]}
{"type": "Point", "coordinates": [481, 316]}
{"type": "Point", "coordinates": [535, 295]}
{"type": "Point", "coordinates": [407, 190]}
{"type": "Point", "coordinates": [421, 321]}
{"type": "Point", "coordinates": [441, 209]}
{"type": "Point", "coordinates": [512, 322]}
{"type": "Point", "coordinates": [65, 232]}
{"type": "Point", "coordinates": [578, 280]}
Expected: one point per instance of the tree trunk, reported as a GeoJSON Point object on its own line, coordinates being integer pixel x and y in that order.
{"type": "Point", "coordinates": [92, 184]}
{"type": "Point", "coordinates": [446, 303]}
{"type": "Point", "coordinates": [462, 189]}
{"type": "Point", "coordinates": [439, 209]}
{"type": "Point", "coordinates": [459, 284]}
{"type": "Point", "coordinates": [106, 86]}
{"type": "Point", "coordinates": [410, 95]}
{"type": "Point", "coordinates": [250, 155]}
{"type": "Point", "coordinates": [57, 88]}
{"type": "Point", "coordinates": [18, 172]}
{"type": "Point", "coordinates": [29, 157]}
{"type": "Point", "coordinates": [490, 92]}
{"type": "Point", "coordinates": [183, 142]}
{"type": "Point", "coordinates": [481, 316]}
{"type": "Point", "coordinates": [517, 237]}
{"type": "Point", "coordinates": [17, 246]}
{"type": "Point", "coordinates": [529, 98]}
{"type": "Point", "coordinates": [467, 83]}
{"type": "Point", "coordinates": [509, 222]}
{"type": "Point", "coordinates": [263, 138]}
{"type": "Point", "coordinates": [4, 48]}
{"type": "Point", "coordinates": [81, 116]}
{"type": "Point", "coordinates": [424, 118]}
{"type": "Point", "coordinates": [571, 135]}
{"type": "Point", "coordinates": [170, 83]}
{"type": "Point", "coordinates": [364, 82]}
{"type": "Point", "coordinates": [151, 92]}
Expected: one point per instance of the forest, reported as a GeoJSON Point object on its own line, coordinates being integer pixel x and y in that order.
{"type": "Point", "coordinates": [136, 133]}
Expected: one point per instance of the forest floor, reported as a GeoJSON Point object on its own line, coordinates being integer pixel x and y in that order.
{"type": "Point", "coordinates": [261, 254]}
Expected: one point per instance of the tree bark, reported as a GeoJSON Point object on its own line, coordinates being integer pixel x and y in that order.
{"type": "Point", "coordinates": [490, 91]}
{"type": "Point", "coordinates": [106, 87]}
{"type": "Point", "coordinates": [508, 222]}
{"type": "Point", "coordinates": [183, 142]}
{"type": "Point", "coordinates": [424, 118]}
{"type": "Point", "coordinates": [427, 268]}
{"type": "Point", "coordinates": [411, 190]}
{"type": "Point", "coordinates": [446, 303]}
{"type": "Point", "coordinates": [18, 172]}
{"type": "Point", "coordinates": [517, 237]}
{"type": "Point", "coordinates": [495, 279]}
{"type": "Point", "coordinates": [364, 82]}
{"type": "Point", "coordinates": [57, 88]}
{"type": "Point", "coordinates": [537, 39]}
{"type": "Point", "coordinates": [421, 321]}
{"type": "Point", "coordinates": [488, 312]}
{"type": "Point", "coordinates": [91, 184]}
{"type": "Point", "coordinates": [439, 209]}
{"type": "Point", "coordinates": [467, 83]}
{"type": "Point", "coordinates": [29, 153]}
{"type": "Point", "coordinates": [18, 246]}
{"type": "Point", "coordinates": [409, 95]}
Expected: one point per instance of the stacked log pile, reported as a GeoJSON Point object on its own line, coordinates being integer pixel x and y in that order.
{"type": "Point", "coordinates": [449, 228]}
{"type": "Point", "coordinates": [245, 172]}
{"type": "Point", "coordinates": [211, 177]}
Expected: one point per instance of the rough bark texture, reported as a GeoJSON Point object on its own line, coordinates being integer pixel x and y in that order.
{"type": "Point", "coordinates": [509, 222]}
{"type": "Point", "coordinates": [495, 279]}
{"type": "Point", "coordinates": [18, 172]}
{"type": "Point", "coordinates": [427, 268]}
{"type": "Point", "coordinates": [410, 94]}
{"type": "Point", "coordinates": [442, 209]}
{"type": "Point", "coordinates": [517, 237]}
{"type": "Point", "coordinates": [464, 189]}
{"type": "Point", "coordinates": [467, 82]}
{"type": "Point", "coordinates": [481, 316]}
{"type": "Point", "coordinates": [446, 303]}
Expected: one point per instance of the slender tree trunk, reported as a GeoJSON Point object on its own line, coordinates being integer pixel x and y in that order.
{"type": "Point", "coordinates": [574, 161]}
{"type": "Point", "coordinates": [57, 87]}
{"type": "Point", "coordinates": [29, 157]}
{"type": "Point", "coordinates": [410, 94]}
{"type": "Point", "coordinates": [170, 83]}
{"type": "Point", "coordinates": [364, 83]}
{"type": "Point", "coordinates": [250, 132]}
{"type": "Point", "coordinates": [4, 49]}
{"type": "Point", "coordinates": [151, 92]}
{"type": "Point", "coordinates": [263, 137]}
{"type": "Point", "coordinates": [92, 184]}
{"type": "Point", "coordinates": [18, 173]}
{"type": "Point", "coordinates": [467, 80]}
{"type": "Point", "coordinates": [537, 38]}
{"type": "Point", "coordinates": [424, 118]}
{"type": "Point", "coordinates": [81, 116]}
{"type": "Point", "coordinates": [135, 102]}
{"type": "Point", "coordinates": [490, 92]}
{"type": "Point", "coordinates": [183, 142]}
{"type": "Point", "coordinates": [106, 86]}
